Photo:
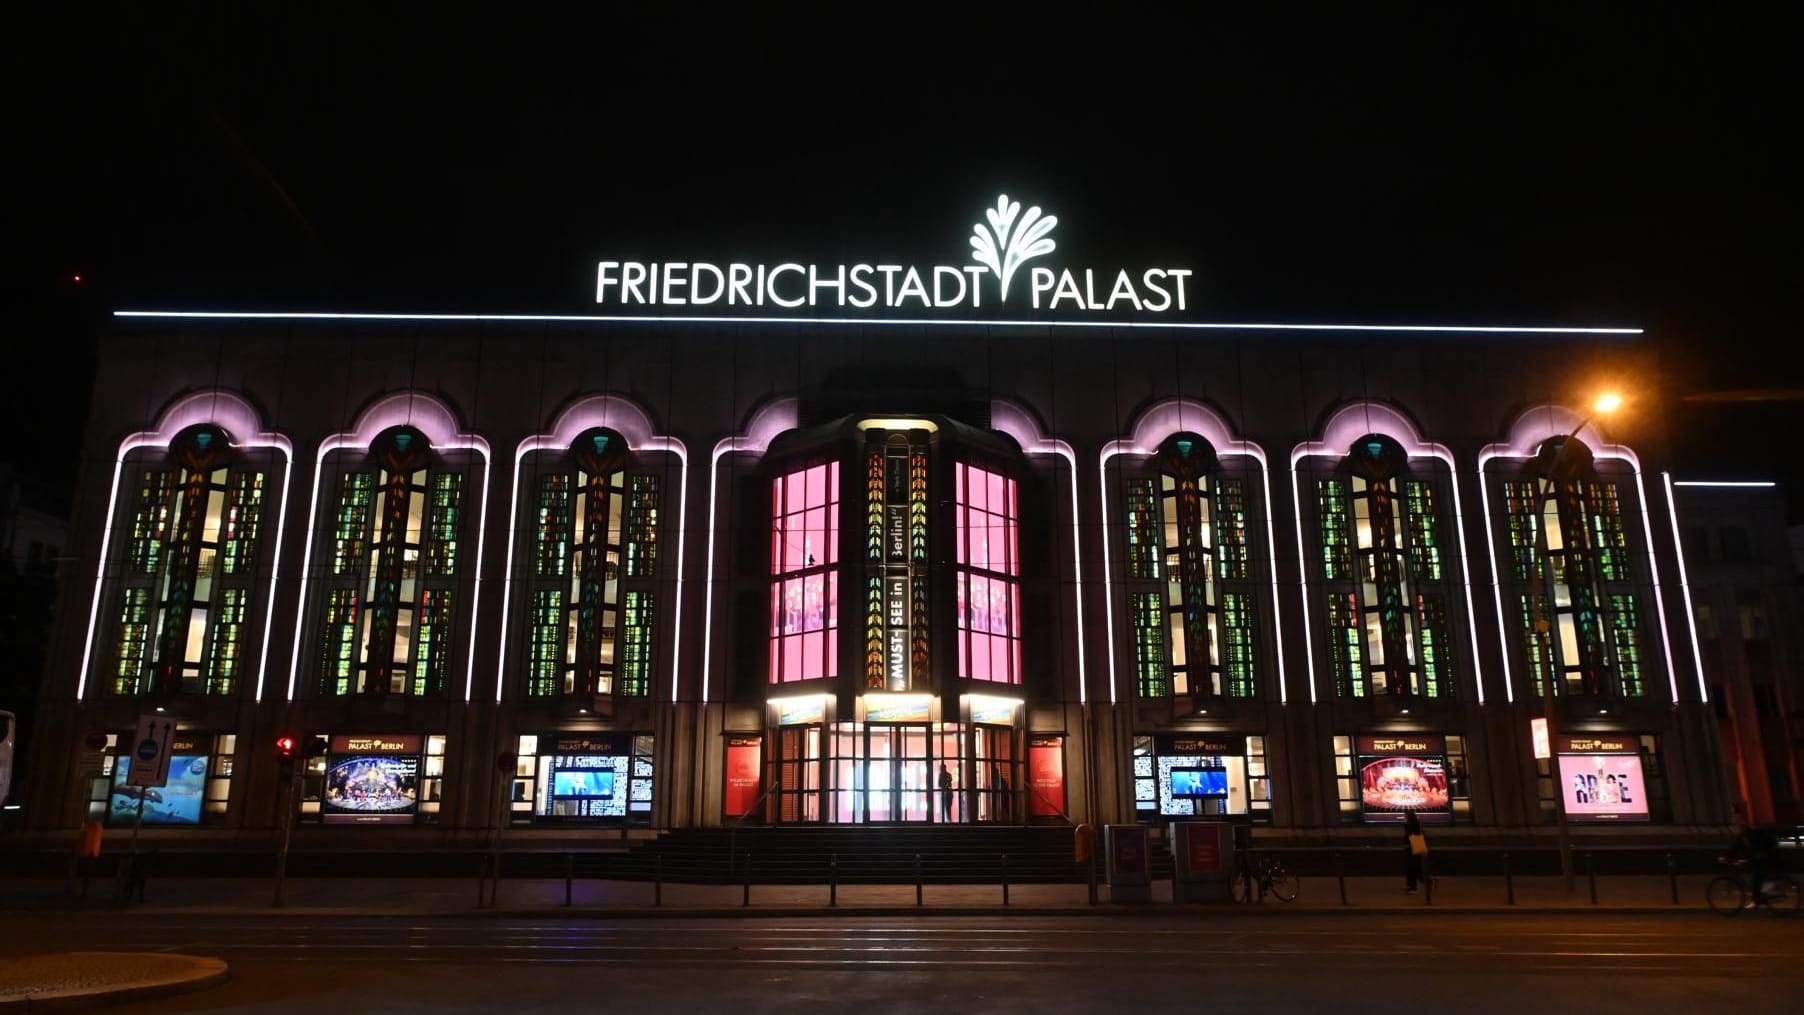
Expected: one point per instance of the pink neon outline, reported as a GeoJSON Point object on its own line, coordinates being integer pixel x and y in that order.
{"type": "Point", "coordinates": [1349, 423]}
{"type": "Point", "coordinates": [631, 422]}
{"type": "Point", "coordinates": [231, 413]}
{"type": "Point", "coordinates": [1015, 421]}
{"type": "Point", "coordinates": [1159, 421]}
{"type": "Point", "coordinates": [773, 418]}
{"type": "Point", "coordinates": [1528, 432]}
{"type": "Point", "coordinates": [1691, 623]}
{"type": "Point", "coordinates": [434, 419]}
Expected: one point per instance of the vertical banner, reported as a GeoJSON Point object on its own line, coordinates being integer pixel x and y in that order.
{"type": "Point", "coordinates": [1046, 774]}
{"type": "Point", "coordinates": [745, 774]}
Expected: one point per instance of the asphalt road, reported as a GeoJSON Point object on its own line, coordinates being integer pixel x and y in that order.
{"type": "Point", "coordinates": [1596, 964]}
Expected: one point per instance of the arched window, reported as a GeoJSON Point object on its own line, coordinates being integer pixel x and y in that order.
{"type": "Point", "coordinates": [391, 588]}
{"type": "Point", "coordinates": [591, 606]}
{"type": "Point", "coordinates": [187, 581]}
{"type": "Point", "coordinates": [804, 569]}
{"type": "Point", "coordinates": [1187, 569]}
{"type": "Point", "coordinates": [1387, 589]}
{"type": "Point", "coordinates": [1569, 557]}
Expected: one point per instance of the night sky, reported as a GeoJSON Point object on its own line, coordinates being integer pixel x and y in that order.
{"type": "Point", "coordinates": [1629, 167]}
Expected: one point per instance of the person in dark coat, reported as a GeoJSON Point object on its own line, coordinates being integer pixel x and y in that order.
{"type": "Point", "coordinates": [1413, 873]}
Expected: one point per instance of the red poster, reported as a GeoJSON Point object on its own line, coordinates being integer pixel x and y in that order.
{"type": "Point", "coordinates": [745, 774]}
{"type": "Point", "coordinates": [1046, 774]}
{"type": "Point", "coordinates": [1205, 851]}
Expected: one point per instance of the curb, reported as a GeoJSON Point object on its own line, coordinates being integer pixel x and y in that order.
{"type": "Point", "coordinates": [1103, 910]}
{"type": "Point", "coordinates": [201, 974]}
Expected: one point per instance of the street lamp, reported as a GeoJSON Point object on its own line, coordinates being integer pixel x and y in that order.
{"type": "Point", "coordinates": [1605, 404]}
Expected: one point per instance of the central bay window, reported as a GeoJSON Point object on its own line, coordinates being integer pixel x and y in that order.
{"type": "Point", "coordinates": [1387, 588]}
{"type": "Point", "coordinates": [187, 577]}
{"type": "Point", "coordinates": [394, 563]}
{"type": "Point", "coordinates": [986, 527]}
{"type": "Point", "coordinates": [804, 569]}
{"type": "Point", "coordinates": [591, 601]}
{"type": "Point", "coordinates": [1189, 595]}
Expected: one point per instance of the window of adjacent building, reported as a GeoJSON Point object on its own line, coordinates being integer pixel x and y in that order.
{"type": "Point", "coordinates": [187, 580]}
{"type": "Point", "coordinates": [1576, 607]}
{"type": "Point", "coordinates": [804, 567]}
{"type": "Point", "coordinates": [391, 588]}
{"type": "Point", "coordinates": [1750, 608]}
{"type": "Point", "coordinates": [1386, 585]}
{"type": "Point", "coordinates": [1697, 543]}
{"type": "Point", "coordinates": [1735, 545]}
{"type": "Point", "coordinates": [1706, 619]}
{"type": "Point", "coordinates": [1187, 568]}
{"type": "Point", "coordinates": [590, 600]}
{"type": "Point", "coordinates": [985, 525]}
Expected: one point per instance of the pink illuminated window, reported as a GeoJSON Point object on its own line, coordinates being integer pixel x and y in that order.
{"type": "Point", "coordinates": [804, 567]}
{"type": "Point", "coordinates": [988, 587]}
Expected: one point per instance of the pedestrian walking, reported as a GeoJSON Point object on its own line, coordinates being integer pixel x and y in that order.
{"type": "Point", "coordinates": [945, 793]}
{"type": "Point", "coordinates": [1415, 843]}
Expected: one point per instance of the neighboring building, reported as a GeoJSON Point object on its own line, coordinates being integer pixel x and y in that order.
{"type": "Point", "coordinates": [1744, 598]}
{"type": "Point", "coordinates": [31, 541]}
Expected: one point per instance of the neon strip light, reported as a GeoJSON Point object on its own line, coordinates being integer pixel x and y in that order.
{"type": "Point", "coordinates": [632, 423]}
{"type": "Point", "coordinates": [1697, 656]}
{"type": "Point", "coordinates": [1702, 482]}
{"type": "Point", "coordinates": [435, 420]}
{"type": "Point", "coordinates": [771, 420]}
{"type": "Point", "coordinates": [233, 415]}
{"type": "Point", "coordinates": [1011, 419]}
{"type": "Point", "coordinates": [1155, 424]}
{"type": "Point", "coordinates": [1441, 329]}
{"type": "Point", "coordinates": [1349, 424]}
{"type": "Point", "coordinates": [1530, 430]}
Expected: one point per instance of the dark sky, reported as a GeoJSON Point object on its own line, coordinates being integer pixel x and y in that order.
{"type": "Point", "coordinates": [1630, 165]}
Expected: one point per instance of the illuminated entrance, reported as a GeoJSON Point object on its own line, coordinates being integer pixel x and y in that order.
{"type": "Point", "coordinates": [896, 773]}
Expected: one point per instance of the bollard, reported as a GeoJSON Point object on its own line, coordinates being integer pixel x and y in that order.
{"type": "Point", "coordinates": [482, 881]}
{"type": "Point", "coordinates": [1340, 874]}
{"type": "Point", "coordinates": [1005, 879]}
{"type": "Point", "coordinates": [747, 900]}
{"type": "Point", "coordinates": [1591, 876]}
{"type": "Point", "coordinates": [1427, 884]}
{"type": "Point", "coordinates": [1509, 881]}
{"type": "Point", "coordinates": [917, 879]}
{"type": "Point", "coordinates": [1091, 864]}
{"type": "Point", "coordinates": [495, 886]}
{"type": "Point", "coordinates": [833, 880]}
{"type": "Point", "coordinates": [657, 880]}
{"type": "Point", "coordinates": [1672, 878]}
{"type": "Point", "coordinates": [569, 871]}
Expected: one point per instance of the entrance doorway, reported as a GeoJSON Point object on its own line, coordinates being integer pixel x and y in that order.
{"type": "Point", "coordinates": [890, 773]}
{"type": "Point", "coordinates": [898, 773]}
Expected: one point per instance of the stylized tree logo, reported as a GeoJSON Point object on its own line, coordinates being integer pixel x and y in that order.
{"type": "Point", "coordinates": [1005, 245]}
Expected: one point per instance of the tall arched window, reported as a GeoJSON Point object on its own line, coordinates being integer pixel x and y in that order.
{"type": "Point", "coordinates": [1187, 569]}
{"type": "Point", "coordinates": [391, 588]}
{"type": "Point", "coordinates": [987, 530]}
{"type": "Point", "coordinates": [804, 569]}
{"type": "Point", "coordinates": [1569, 557]}
{"type": "Point", "coordinates": [1389, 632]}
{"type": "Point", "coordinates": [595, 553]}
{"type": "Point", "coordinates": [187, 581]}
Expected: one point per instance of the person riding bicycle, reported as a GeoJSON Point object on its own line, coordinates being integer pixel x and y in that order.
{"type": "Point", "coordinates": [1758, 848]}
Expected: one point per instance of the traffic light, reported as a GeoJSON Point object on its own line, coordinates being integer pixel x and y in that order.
{"type": "Point", "coordinates": [287, 748]}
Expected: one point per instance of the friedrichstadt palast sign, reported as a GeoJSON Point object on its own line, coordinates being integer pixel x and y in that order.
{"type": "Point", "coordinates": [1000, 247]}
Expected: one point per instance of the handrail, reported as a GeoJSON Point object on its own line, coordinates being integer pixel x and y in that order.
{"type": "Point", "coordinates": [733, 832]}
{"type": "Point", "coordinates": [1035, 790]}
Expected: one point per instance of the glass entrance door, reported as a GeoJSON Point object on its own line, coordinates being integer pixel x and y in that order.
{"type": "Point", "coordinates": [898, 773]}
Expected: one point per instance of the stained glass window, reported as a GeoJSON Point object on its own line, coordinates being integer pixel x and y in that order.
{"type": "Point", "coordinates": [985, 516]}
{"type": "Point", "coordinates": [1346, 639]}
{"type": "Point", "coordinates": [635, 648]}
{"type": "Point", "coordinates": [1424, 541]}
{"type": "Point", "coordinates": [1336, 556]}
{"type": "Point", "coordinates": [1148, 612]}
{"type": "Point", "coordinates": [804, 567]}
{"type": "Point", "coordinates": [1142, 529]}
{"type": "Point", "coordinates": [129, 676]}
{"type": "Point", "coordinates": [642, 528]}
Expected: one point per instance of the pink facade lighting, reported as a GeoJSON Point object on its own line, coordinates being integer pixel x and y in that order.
{"type": "Point", "coordinates": [804, 573]}
{"type": "Point", "coordinates": [1018, 423]}
{"type": "Point", "coordinates": [1531, 429]}
{"type": "Point", "coordinates": [1179, 415]}
{"type": "Point", "coordinates": [771, 419]}
{"type": "Point", "coordinates": [434, 419]}
{"type": "Point", "coordinates": [231, 413]}
{"type": "Point", "coordinates": [632, 423]}
{"type": "Point", "coordinates": [1348, 424]}
{"type": "Point", "coordinates": [986, 512]}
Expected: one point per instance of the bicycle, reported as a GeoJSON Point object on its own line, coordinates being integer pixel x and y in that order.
{"type": "Point", "coordinates": [1731, 894]}
{"type": "Point", "coordinates": [1261, 877]}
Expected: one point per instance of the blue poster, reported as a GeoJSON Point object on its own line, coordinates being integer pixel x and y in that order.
{"type": "Point", "coordinates": [177, 802]}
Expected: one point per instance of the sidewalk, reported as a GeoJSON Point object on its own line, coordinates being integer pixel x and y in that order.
{"type": "Point", "coordinates": [71, 981]}
{"type": "Point", "coordinates": [459, 897]}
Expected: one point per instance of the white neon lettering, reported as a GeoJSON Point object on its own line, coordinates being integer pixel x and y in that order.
{"type": "Point", "coordinates": [1041, 279]}
{"type": "Point", "coordinates": [913, 286]}
{"type": "Point", "coordinates": [860, 275]}
{"type": "Point", "coordinates": [1180, 274]}
{"type": "Point", "coordinates": [976, 272]}
{"type": "Point", "coordinates": [695, 289]}
{"type": "Point", "coordinates": [673, 276]}
{"type": "Point", "coordinates": [1090, 291]}
{"type": "Point", "coordinates": [888, 271]}
{"type": "Point", "coordinates": [816, 284]}
{"type": "Point", "coordinates": [1164, 297]}
{"type": "Point", "coordinates": [1123, 288]}
{"type": "Point", "coordinates": [602, 281]}
{"type": "Point", "coordinates": [652, 285]}
{"type": "Point", "coordinates": [940, 274]}
{"type": "Point", "coordinates": [632, 276]}
{"type": "Point", "coordinates": [759, 288]}
{"type": "Point", "coordinates": [738, 277]}
{"type": "Point", "coordinates": [783, 269]}
{"type": "Point", "coordinates": [1066, 289]}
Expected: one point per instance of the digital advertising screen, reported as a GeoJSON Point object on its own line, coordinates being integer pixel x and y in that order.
{"type": "Point", "coordinates": [582, 783]}
{"type": "Point", "coordinates": [1603, 787]}
{"type": "Point", "coordinates": [177, 802]}
{"type": "Point", "coordinates": [1191, 783]}
{"type": "Point", "coordinates": [371, 789]}
{"type": "Point", "coordinates": [1391, 787]}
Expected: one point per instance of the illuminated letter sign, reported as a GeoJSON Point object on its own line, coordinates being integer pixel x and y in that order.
{"type": "Point", "coordinates": [1001, 246]}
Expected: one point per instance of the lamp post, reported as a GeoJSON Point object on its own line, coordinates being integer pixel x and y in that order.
{"type": "Point", "coordinates": [1607, 403]}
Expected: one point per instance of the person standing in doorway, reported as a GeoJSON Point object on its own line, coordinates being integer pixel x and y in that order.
{"type": "Point", "coordinates": [1415, 844]}
{"type": "Point", "coordinates": [945, 793]}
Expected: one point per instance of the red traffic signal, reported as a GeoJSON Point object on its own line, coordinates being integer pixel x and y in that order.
{"type": "Point", "coordinates": [286, 747]}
